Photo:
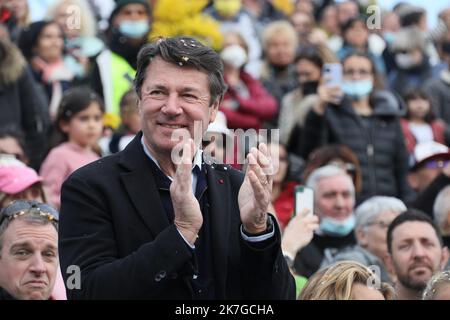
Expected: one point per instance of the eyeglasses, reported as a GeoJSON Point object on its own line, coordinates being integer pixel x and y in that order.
{"type": "Point", "coordinates": [381, 224]}
{"type": "Point", "coordinates": [21, 207]}
{"type": "Point", "coordinates": [360, 72]}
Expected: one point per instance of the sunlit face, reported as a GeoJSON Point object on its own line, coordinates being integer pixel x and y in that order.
{"type": "Point", "coordinates": [29, 260]}
{"type": "Point", "coordinates": [363, 292]}
{"type": "Point", "coordinates": [174, 98]}
{"type": "Point", "coordinates": [335, 197]}
{"type": "Point", "coordinates": [85, 127]}
{"type": "Point", "coordinates": [416, 254]}
{"type": "Point", "coordinates": [280, 50]}
{"type": "Point", "coordinates": [50, 44]}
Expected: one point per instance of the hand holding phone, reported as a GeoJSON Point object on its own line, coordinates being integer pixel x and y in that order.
{"type": "Point", "coordinates": [332, 74]}
{"type": "Point", "coordinates": [330, 89]}
{"type": "Point", "coordinates": [304, 200]}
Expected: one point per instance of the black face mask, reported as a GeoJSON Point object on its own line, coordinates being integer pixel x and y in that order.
{"type": "Point", "coordinates": [309, 87]}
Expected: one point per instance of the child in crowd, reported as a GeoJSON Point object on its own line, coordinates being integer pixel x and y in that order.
{"type": "Point", "coordinates": [17, 181]}
{"type": "Point", "coordinates": [420, 124]}
{"type": "Point", "coordinates": [79, 126]}
{"type": "Point", "coordinates": [131, 123]}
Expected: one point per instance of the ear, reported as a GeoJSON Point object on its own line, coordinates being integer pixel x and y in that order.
{"type": "Point", "coordinates": [213, 110]}
{"type": "Point", "coordinates": [445, 256]}
{"type": "Point", "coordinates": [64, 126]}
{"type": "Point", "coordinates": [413, 180]}
{"type": "Point", "coordinates": [361, 237]}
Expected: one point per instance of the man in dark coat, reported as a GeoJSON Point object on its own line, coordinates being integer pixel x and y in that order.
{"type": "Point", "coordinates": [147, 224]}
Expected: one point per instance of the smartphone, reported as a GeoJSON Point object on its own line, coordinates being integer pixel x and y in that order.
{"type": "Point", "coordinates": [304, 198]}
{"type": "Point", "coordinates": [332, 74]}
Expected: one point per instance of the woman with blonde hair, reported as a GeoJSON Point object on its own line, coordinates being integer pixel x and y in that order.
{"type": "Point", "coordinates": [438, 288]}
{"type": "Point", "coordinates": [346, 280]}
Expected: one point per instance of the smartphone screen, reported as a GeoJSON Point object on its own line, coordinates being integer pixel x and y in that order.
{"type": "Point", "coordinates": [332, 74]}
{"type": "Point", "coordinates": [304, 198]}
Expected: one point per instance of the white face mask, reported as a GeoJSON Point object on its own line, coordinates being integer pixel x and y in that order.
{"type": "Point", "coordinates": [234, 56]}
{"type": "Point", "coordinates": [405, 60]}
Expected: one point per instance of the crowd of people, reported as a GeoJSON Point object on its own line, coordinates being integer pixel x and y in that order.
{"type": "Point", "coordinates": [91, 97]}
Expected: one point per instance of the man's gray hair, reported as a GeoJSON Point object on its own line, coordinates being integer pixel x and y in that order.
{"type": "Point", "coordinates": [327, 172]}
{"type": "Point", "coordinates": [370, 209]}
{"type": "Point", "coordinates": [441, 208]}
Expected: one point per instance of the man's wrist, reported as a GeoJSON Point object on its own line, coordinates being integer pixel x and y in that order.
{"type": "Point", "coordinates": [264, 229]}
{"type": "Point", "coordinates": [188, 235]}
{"type": "Point", "coordinates": [290, 258]}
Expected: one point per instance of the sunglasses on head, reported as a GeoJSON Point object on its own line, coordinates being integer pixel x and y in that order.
{"type": "Point", "coordinates": [436, 164]}
{"type": "Point", "coordinates": [21, 207]}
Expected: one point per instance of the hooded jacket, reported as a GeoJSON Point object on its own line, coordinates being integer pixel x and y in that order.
{"type": "Point", "coordinates": [377, 141]}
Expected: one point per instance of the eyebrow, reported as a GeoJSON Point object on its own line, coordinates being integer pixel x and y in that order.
{"type": "Point", "coordinates": [163, 87]}
{"type": "Point", "coordinates": [28, 245]}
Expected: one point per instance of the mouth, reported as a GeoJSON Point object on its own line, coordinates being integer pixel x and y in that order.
{"type": "Point", "coordinates": [37, 283]}
{"type": "Point", "coordinates": [420, 269]}
{"type": "Point", "coordinates": [172, 126]}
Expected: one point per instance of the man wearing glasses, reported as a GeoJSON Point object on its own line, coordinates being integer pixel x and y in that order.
{"type": "Point", "coordinates": [28, 250]}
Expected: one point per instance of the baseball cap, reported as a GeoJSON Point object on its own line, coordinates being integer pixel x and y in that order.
{"type": "Point", "coordinates": [15, 179]}
{"type": "Point", "coordinates": [426, 152]}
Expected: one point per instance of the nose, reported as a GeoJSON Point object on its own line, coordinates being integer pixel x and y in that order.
{"type": "Point", "coordinates": [37, 266]}
{"type": "Point", "coordinates": [339, 203]}
{"type": "Point", "coordinates": [171, 107]}
{"type": "Point", "coordinates": [418, 250]}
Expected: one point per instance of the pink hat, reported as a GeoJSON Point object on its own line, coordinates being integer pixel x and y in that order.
{"type": "Point", "coordinates": [14, 179]}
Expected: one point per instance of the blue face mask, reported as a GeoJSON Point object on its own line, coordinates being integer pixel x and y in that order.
{"type": "Point", "coordinates": [335, 227]}
{"type": "Point", "coordinates": [357, 89]}
{"type": "Point", "coordinates": [389, 37]}
{"type": "Point", "coordinates": [134, 29]}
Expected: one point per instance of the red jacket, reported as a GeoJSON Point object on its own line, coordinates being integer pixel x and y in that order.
{"type": "Point", "coordinates": [284, 204]}
{"type": "Point", "coordinates": [252, 111]}
{"type": "Point", "coordinates": [437, 127]}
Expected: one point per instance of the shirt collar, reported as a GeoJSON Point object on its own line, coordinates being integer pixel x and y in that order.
{"type": "Point", "coordinates": [196, 163]}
